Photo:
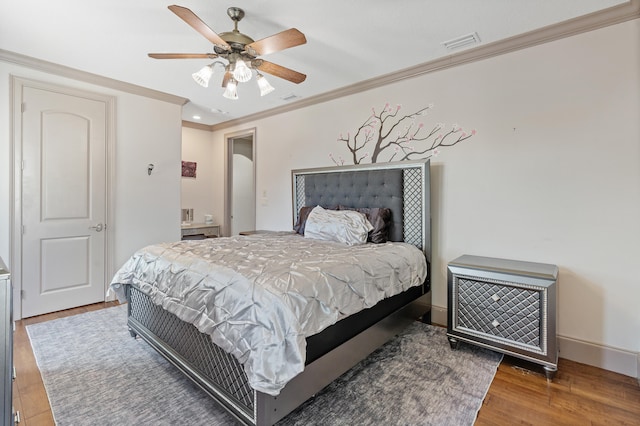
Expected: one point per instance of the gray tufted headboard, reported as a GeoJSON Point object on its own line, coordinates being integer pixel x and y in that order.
{"type": "Point", "coordinates": [403, 187]}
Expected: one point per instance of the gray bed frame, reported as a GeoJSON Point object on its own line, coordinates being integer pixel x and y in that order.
{"type": "Point", "coordinates": [405, 188]}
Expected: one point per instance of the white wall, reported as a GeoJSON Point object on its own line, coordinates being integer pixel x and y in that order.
{"type": "Point", "coordinates": [205, 193]}
{"type": "Point", "coordinates": [553, 174]}
{"type": "Point", "coordinates": [147, 208]}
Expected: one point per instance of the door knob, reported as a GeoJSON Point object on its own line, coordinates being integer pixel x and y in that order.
{"type": "Point", "coordinates": [99, 227]}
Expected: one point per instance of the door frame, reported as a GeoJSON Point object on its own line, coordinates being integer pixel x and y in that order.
{"type": "Point", "coordinates": [16, 95]}
{"type": "Point", "coordinates": [228, 173]}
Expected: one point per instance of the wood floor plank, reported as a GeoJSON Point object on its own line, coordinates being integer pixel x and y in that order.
{"type": "Point", "coordinates": [605, 412]}
{"type": "Point", "coordinates": [34, 400]}
{"type": "Point", "coordinates": [505, 412]}
{"type": "Point", "coordinates": [25, 364]}
{"type": "Point", "coordinates": [43, 419]}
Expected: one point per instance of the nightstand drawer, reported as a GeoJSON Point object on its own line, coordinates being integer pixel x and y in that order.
{"type": "Point", "coordinates": [507, 325]}
{"type": "Point", "coordinates": [503, 298]}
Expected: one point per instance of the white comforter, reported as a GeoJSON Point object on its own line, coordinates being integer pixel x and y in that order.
{"type": "Point", "coordinates": [259, 297]}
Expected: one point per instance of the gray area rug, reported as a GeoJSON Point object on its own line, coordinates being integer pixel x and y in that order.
{"type": "Point", "coordinates": [95, 373]}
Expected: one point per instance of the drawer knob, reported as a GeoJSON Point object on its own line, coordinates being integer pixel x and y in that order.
{"type": "Point", "coordinates": [495, 323]}
{"type": "Point", "coordinates": [495, 297]}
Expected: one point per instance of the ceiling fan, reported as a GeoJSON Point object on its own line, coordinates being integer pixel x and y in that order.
{"type": "Point", "coordinates": [240, 51]}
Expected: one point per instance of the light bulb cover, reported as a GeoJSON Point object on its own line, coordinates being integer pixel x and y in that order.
{"type": "Point", "coordinates": [203, 76]}
{"type": "Point", "coordinates": [231, 91]}
{"type": "Point", "coordinates": [264, 85]}
{"type": "Point", "coordinates": [241, 71]}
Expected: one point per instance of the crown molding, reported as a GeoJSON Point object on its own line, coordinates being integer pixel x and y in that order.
{"type": "Point", "coordinates": [87, 77]}
{"type": "Point", "coordinates": [606, 17]}
{"type": "Point", "coordinates": [198, 126]}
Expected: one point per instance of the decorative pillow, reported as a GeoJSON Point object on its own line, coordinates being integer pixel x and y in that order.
{"type": "Point", "coordinates": [380, 218]}
{"type": "Point", "coordinates": [346, 226]}
{"type": "Point", "coordinates": [302, 218]}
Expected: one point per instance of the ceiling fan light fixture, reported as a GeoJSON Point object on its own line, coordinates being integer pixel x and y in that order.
{"type": "Point", "coordinates": [231, 91]}
{"type": "Point", "coordinates": [241, 71]}
{"type": "Point", "coordinates": [203, 76]}
{"type": "Point", "coordinates": [264, 85]}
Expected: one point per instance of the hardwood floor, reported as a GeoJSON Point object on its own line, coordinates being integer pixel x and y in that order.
{"type": "Point", "coordinates": [579, 395]}
{"type": "Point", "coordinates": [519, 394]}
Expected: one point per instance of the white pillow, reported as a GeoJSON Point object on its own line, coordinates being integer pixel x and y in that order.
{"type": "Point", "coordinates": [344, 226]}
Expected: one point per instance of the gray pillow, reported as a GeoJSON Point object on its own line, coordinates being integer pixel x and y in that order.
{"type": "Point", "coordinates": [381, 220]}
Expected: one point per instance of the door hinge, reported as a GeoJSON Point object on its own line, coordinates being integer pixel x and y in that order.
{"type": "Point", "coordinates": [22, 165]}
{"type": "Point", "coordinates": [23, 230]}
{"type": "Point", "coordinates": [22, 296]}
{"type": "Point", "coordinates": [23, 107]}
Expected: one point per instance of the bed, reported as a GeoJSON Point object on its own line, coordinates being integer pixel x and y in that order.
{"type": "Point", "coordinates": [232, 376]}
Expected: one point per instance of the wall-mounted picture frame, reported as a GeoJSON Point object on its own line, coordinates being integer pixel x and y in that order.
{"type": "Point", "coordinates": [189, 169]}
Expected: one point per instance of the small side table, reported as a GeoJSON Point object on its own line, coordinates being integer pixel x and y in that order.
{"type": "Point", "coordinates": [204, 230]}
{"type": "Point", "coordinates": [505, 305]}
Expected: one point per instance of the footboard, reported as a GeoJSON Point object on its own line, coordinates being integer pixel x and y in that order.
{"type": "Point", "coordinates": [214, 370]}
{"type": "Point", "coordinates": [223, 378]}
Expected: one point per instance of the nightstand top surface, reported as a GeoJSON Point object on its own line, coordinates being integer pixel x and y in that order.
{"type": "Point", "coordinates": [492, 264]}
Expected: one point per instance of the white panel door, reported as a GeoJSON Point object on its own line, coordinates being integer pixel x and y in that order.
{"type": "Point", "coordinates": [63, 201]}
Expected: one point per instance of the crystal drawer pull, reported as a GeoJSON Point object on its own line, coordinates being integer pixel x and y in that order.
{"type": "Point", "coordinates": [495, 297]}
{"type": "Point", "coordinates": [495, 323]}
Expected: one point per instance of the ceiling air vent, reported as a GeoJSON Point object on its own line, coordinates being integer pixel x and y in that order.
{"type": "Point", "coordinates": [461, 41]}
{"type": "Point", "coordinates": [289, 97]}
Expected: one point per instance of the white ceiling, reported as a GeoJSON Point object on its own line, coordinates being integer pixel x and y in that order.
{"type": "Point", "coordinates": [347, 41]}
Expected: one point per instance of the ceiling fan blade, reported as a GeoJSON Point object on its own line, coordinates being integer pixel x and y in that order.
{"type": "Point", "coordinates": [183, 55]}
{"type": "Point", "coordinates": [226, 78]}
{"type": "Point", "coordinates": [196, 23]}
{"type": "Point", "coordinates": [282, 72]}
{"type": "Point", "coordinates": [278, 42]}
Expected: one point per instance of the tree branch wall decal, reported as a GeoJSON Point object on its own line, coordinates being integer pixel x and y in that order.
{"type": "Point", "coordinates": [404, 137]}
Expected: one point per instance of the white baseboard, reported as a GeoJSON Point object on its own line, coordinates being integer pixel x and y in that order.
{"type": "Point", "coordinates": [439, 316]}
{"type": "Point", "coordinates": [605, 357]}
